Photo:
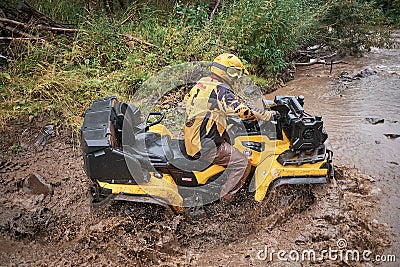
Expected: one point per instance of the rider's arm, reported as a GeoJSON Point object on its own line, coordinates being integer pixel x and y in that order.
{"type": "Point", "coordinates": [233, 107]}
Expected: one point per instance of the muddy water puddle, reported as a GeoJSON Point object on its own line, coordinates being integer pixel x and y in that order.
{"type": "Point", "coordinates": [347, 104]}
{"type": "Point", "coordinates": [360, 105]}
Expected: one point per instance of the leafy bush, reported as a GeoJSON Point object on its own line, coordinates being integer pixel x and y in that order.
{"type": "Point", "coordinates": [390, 8]}
{"type": "Point", "coordinates": [353, 26]}
{"type": "Point", "coordinates": [264, 32]}
{"type": "Point", "coordinates": [67, 75]}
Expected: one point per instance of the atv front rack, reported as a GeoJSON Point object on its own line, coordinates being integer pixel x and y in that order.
{"type": "Point", "coordinates": [300, 157]}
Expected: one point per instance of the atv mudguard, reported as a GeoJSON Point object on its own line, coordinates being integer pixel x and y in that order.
{"type": "Point", "coordinates": [270, 174]}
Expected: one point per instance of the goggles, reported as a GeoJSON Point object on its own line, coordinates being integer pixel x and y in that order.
{"type": "Point", "coordinates": [232, 71]}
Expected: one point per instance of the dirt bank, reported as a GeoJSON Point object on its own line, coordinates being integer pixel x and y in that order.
{"type": "Point", "coordinates": [62, 229]}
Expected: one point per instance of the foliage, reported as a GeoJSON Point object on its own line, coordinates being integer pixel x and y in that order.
{"type": "Point", "coordinates": [64, 75]}
{"type": "Point", "coordinates": [390, 8]}
{"type": "Point", "coordinates": [264, 32]}
{"type": "Point", "coordinates": [354, 26]}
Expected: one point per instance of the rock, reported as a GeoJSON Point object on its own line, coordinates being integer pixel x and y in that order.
{"type": "Point", "coordinates": [371, 179]}
{"type": "Point", "coordinates": [44, 136]}
{"type": "Point", "coordinates": [36, 185]}
{"type": "Point", "coordinates": [365, 73]}
{"type": "Point", "coordinates": [375, 120]}
{"type": "Point", "coordinates": [392, 136]}
{"type": "Point", "coordinates": [344, 76]}
{"type": "Point", "coordinates": [314, 47]}
{"type": "Point", "coordinates": [49, 129]}
{"type": "Point", "coordinates": [39, 199]}
{"type": "Point", "coordinates": [300, 240]}
{"type": "Point", "coordinates": [375, 191]}
{"type": "Point", "coordinates": [97, 227]}
{"type": "Point", "coordinates": [249, 90]}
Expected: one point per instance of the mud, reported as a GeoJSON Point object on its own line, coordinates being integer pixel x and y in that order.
{"type": "Point", "coordinates": [61, 229]}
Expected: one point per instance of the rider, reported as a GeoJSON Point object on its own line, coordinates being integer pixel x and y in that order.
{"type": "Point", "coordinates": [208, 104]}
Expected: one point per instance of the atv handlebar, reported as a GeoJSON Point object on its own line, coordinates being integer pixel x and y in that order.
{"type": "Point", "coordinates": [305, 132]}
{"type": "Point", "coordinates": [160, 118]}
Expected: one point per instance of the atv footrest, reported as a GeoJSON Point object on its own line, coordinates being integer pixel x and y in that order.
{"type": "Point", "coordinates": [144, 199]}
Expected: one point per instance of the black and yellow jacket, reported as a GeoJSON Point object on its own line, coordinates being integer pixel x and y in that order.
{"type": "Point", "coordinates": [208, 104]}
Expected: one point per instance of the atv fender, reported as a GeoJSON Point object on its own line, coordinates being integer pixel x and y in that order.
{"type": "Point", "coordinates": [270, 174]}
{"type": "Point", "coordinates": [263, 178]}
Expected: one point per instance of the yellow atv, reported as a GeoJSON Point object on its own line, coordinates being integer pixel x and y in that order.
{"type": "Point", "coordinates": [129, 159]}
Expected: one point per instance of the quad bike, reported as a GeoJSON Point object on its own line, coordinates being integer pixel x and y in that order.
{"type": "Point", "coordinates": [129, 159]}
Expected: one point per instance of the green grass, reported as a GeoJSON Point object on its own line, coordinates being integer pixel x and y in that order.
{"type": "Point", "coordinates": [65, 76]}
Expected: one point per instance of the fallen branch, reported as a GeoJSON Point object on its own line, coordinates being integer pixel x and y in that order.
{"type": "Point", "coordinates": [329, 56]}
{"type": "Point", "coordinates": [55, 29]}
{"type": "Point", "coordinates": [23, 39]}
{"type": "Point", "coordinates": [17, 31]}
{"type": "Point", "coordinates": [318, 61]}
{"type": "Point", "coordinates": [30, 10]}
{"type": "Point", "coordinates": [311, 62]}
{"type": "Point", "coordinates": [38, 27]}
{"type": "Point", "coordinates": [214, 10]}
{"type": "Point", "coordinates": [125, 20]}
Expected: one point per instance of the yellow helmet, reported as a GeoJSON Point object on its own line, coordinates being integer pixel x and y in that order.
{"type": "Point", "coordinates": [229, 67]}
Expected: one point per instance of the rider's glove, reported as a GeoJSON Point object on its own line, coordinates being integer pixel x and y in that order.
{"type": "Point", "coordinates": [275, 115]}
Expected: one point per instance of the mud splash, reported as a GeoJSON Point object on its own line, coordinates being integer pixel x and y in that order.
{"type": "Point", "coordinates": [61, 229]}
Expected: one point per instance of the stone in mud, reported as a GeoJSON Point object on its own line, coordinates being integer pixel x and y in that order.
{"type": "Point", "coordinates": [39, 199]}
{"type": "Point", "coordinates": [365, 73]}
{"type": "Point", "coordinates": [43, 137]}
{"type": "Point", "coordinates": [300, 240]}
{"type": "Point", "coordinates": [392, 136]}
{"type": "Point", "coordinates": [344, 76]}
{"type": "Point", "coordinates": [36, 185]}
{"type": "Point", "coordinates": [375, 121]}
{"type": "Point", "coordinates": [375, 191]}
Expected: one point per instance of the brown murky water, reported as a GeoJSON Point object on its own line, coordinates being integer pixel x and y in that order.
{"type": "Point", "coordinates": [345, 105]}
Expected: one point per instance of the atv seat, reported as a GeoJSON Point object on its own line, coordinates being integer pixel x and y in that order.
{"type": "Point", "coordinates": [184, 161]}
{"type": "Point", "coordinates": [164, 151]}
{"type": "Point", "coordinates": [155, 147]}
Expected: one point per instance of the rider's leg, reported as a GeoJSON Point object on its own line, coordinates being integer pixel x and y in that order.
{"type": "Point", "coordinates": [238, 166]}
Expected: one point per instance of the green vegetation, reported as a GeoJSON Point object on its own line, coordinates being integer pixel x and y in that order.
{"type": "Point", "coordinates": [65, 75]}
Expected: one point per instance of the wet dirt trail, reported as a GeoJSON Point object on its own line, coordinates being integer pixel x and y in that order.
{"type": "Point", "coordinates": [46, 218]}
